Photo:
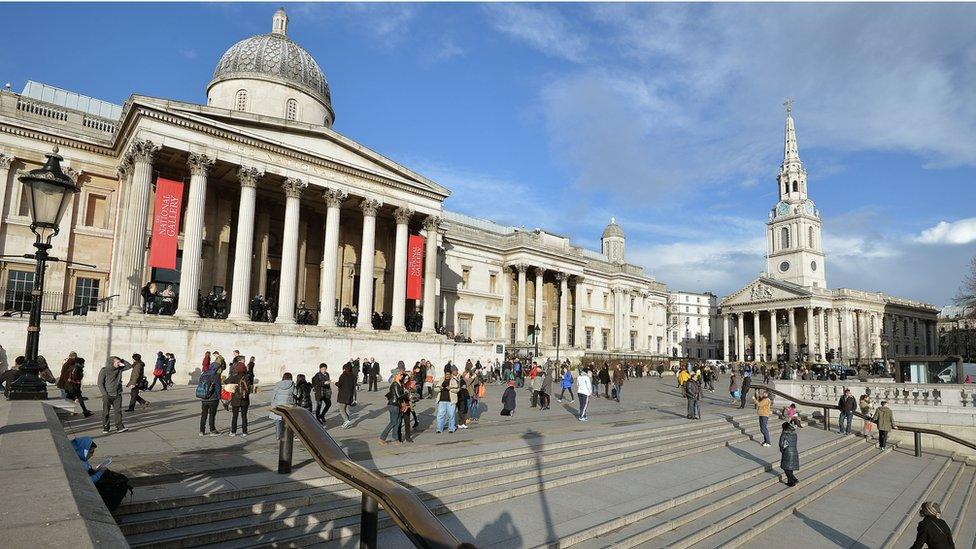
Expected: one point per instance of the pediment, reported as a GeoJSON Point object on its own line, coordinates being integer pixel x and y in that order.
{"type": "Point", "coordinates": [765, 290]}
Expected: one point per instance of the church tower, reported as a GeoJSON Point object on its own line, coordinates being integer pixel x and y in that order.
{"type": "Point", "coordinates": [794, 251]}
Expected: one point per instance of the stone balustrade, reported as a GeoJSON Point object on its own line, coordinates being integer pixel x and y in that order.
{"type": "Point", "coordinates": [935, 395]}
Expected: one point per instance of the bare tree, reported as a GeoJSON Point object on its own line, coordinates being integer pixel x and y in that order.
{"type": "Point", "coordinates": [966, 298]}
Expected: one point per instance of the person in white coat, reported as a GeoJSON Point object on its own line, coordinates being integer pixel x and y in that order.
{"type": "Point", "coordinates": [584, 388]}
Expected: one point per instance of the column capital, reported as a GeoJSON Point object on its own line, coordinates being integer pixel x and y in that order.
{"type": "Point", "coordinates": [249, 177]}
{"type": "Point", "coordinates": [142, 150]}
{"type": "Point", "coordinates": [521, 267]}
{"type": "Point", "coordinates": [124, 168]}
{"type": "Point", "coordinates": [294, 187]}
{"type": "Point", "coordinates": [578, 279]}
{"type": "Point", "coordinates": [370, 206]}
{"type": "Point", "coordinates": [561, 276]}
{"type": "Point", "coordinates": [199, 163]}
{"type": "Point", "coordinates": [72, 174]}
{"type": "Point", "coordinates": [539, 271]}
{"type": "Point", "coordinates": [402, 215]}
{"type": "Point", "coordinates": [5, 160]}
{"type": "Point", "coordinates": [432, 223]}
{"type": "Point", "coordinates": [334, 197]}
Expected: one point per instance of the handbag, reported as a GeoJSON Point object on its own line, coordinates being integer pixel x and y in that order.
{"type": "Point", "coordinates": [482, 391]}
{"type": "Point", "coordinates": [737, 394]}
{"type": "Point", "coordinates": [158, 372]}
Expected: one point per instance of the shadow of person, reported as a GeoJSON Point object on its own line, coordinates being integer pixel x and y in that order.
{"type": "Point", "coordinates": [742, 453]}
{"type": "Point", "coordinates": [835, 536]}
{"type": "Point", "coordinates": [501, 529]}
{"type": "Point", "coordinates": [195, 377]}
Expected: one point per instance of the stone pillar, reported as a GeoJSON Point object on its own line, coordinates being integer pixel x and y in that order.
{"type": "Point", "coordinates": [402, 217]}
{"type": "Point", "coordinates": [5, 161]}
{"type": "Point", "coordinates": [125, 177]}
{"type": "Point", "coordinates": [756, 330]}
{"type": "Point", "coordinates": [537, 317]}
{"type": "Point", "coordinates": [933, 338]}
{"type": "Point", "coordinates": [773, 337]}
{"type": "Point", "coordinates": [367, 252]}
{"type": "Point", "coordinates": [617, 317]}
{"type": "Point", "coordinates": [579, 333]}
{"type": "Point", "coordinates": [740, 332]}
{"type": "Point", "coordinates": [642, 320]}
{"type": "Point", "coordinates": [725, 336]}
{"type": "Point", "coordinates": [264, 241]}
{"type": "Point", "coordinates": [289, 250]}
{"type": "Point", "coordinates": [819, 334]}
{"type": "Point", "coordinates": [563, 335]}
{"type": "Point", "coordinates": [244, 247]}
{"type": "Point", "coordinates": [811, 346]}
{"type": "Point", "coordinates": [520, 314]}
{"type": "Point", "coordinates": [792, 318]}
{"type": "Point", "coordinates": [505, 278]}
{"type": "Point", "coordinates": [431, 225]}
{"type": "Point", "coordinates": [831, 334]}
{"type": "Point", "coordinates": [845, 335]}
{"type": "Point", "coordinates": [133, 246]}
{"type": "Point", "coordinates": [327, 283]}
{"type": "Point", "coordinates": [196, 204]}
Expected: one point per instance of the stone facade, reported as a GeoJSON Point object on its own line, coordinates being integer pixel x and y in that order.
{"type": "Point", "coordinates": [694, 326]}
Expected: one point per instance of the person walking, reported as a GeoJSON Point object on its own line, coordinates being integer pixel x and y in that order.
{"type": "Point", "coordinates": [509, 400]}
{"type": "Point", "coordinates": [408, 417]}
{"type": "Point", "coordinates": [584, 388]}
{"type": "Point", "coordinates": [159, 371]}
{"type": "Point", "coordinates": [170, 368]}
{"type": "Point", "coordinates": [545, 389]}
{"type": "Point", "coordinates": [693, 395]}
{"type": "Point", "coordinates": [763, 410]}
{"type": "Point", "coordinates": [374, 375]}
{"type": "Point", "coordinates": [734, 389]}
{"type": "Point", "coordinates": [110, 385]}
{"type": "Point", "coordinates": [886, 423]}
{"type": "Point", "coordinates": [284, 394]}
{"type": "Point", "coordinates": [789, 452]}
{"type": "Point", "coordinates": [66, 367]}
{"type": "Point", "coordinates": [137, 382]}
{"type": "Point", "coordinates": [847, 404]}
{"type": "Point", "coordinates": [394, 397]}
{"type": "Point", "coordinates": [932, 532]}
{"type": "Point", "coordinates": [208, 391]}
{"type": "Point", "coordinates": [447, 400]}
{"type": "Point", "coordinates": [322, 386]}
{"type": "Point", "coordinates": [240, 398]}
{"type": "Point", "coordinates": [205, 363]}
{"type": "Point", "coordinates": [72, 385]}
{"type": "Point", "coordinates": [605, 380]}
{"type": "Point", "coordinates": [566, 384]}
{"type": "Point", "coordinates": [618, 382]}
{"type": "Point", "coordinates": [346, 393]}
{"type": "Point", "coordinates": [303, 393]}
{"type": "Point", "coordinates": [864, 403]}
{"type": "Point", "coordinates": [746, 384]}
{"type": "Point", "coordinates": [463, 401]}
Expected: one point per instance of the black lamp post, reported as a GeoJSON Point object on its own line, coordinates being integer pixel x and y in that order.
{"type": "Point", "coordinates": [535, 337]}
{"type": "Point", "coordinates": [49, 193]}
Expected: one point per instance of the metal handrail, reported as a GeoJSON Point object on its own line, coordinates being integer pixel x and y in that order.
{"type": "Point", "coordinates": [918, 431]}
{"type": "Point", "coordinates": [416, 521]}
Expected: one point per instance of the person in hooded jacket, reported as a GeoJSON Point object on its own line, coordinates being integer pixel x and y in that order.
{"type": "Point", "coordinates": [789, 453]}
{"type": "Point", "coordinates": [303, 393]}
{"type": "Point", "coordinates": [209, 401]}
{"type": "Point", "coordinates": [85, 448]}
{"type": "Point", "coordinates": [159, 371]}
{"type": "Point", "coordinates": [604, 377]}
{"type": "Point", "coordinates": [110, 385]}
{"type": "Point", "coordinates": [72, 385]}
{"type": "Point", "coordinates": [566, 385]}
{"type": "Point", "coordinates": [284, 393]}
{"type": "Point", "coordinates": [240, 398]}
{"type": "Point", "coordinates": [65, 371]}
{"type": "Point", "coordinates": [509, 400]}
{"type": "Point", "coordinates": [346, 393]}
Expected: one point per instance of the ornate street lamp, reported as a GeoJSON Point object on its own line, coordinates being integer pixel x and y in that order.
{"type": "Point", "coordinates": [535, 337]}
{"type": "Point", "coordinates": [49, 193]}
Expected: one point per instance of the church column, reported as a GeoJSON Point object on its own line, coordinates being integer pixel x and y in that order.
{"type": "Point", "coordinates": [790, 312]}
{"type": "Point", "coordinates": [244, 248]}
{"type": "Point", "coordinates": [431, 225]}
{"type": "Point", "coordinates": [811, 347]}
{"type": "Point", "coordinates": [845, 335]}
{"type": "Point", "coordinates": [402, 217]}
{"type": "Point", "coordinates": [327, 285]}
{"type": "Point", "coordinates": [725, 336]}
{"type": "Point", "coordinates": [537, 317]}
{"type": "Point", "coordinates": [193, 235]}
{"type": "Point", "coordinates": [773, 337]}
{"type": "Point", "coordinates": [563, 335]}
{"type": "Point", "coordinates": [369, 207]}
{"type": "Point", "coordinates": [289, 251]}
{"type": "Point", "coordinates": [133, 247]}
{"type": "Point", "coordinates": [520, 313]}
{"type": "Point", "coordinates": [755, 336]}
{"type": "Point", "coordinates": [261, 265]}
{"type": "Point", "coordinates": [5, 161]}
{"type": "Point", "coordinates": [740, 332]}
{"type": "Point", "coordinates": [579, 333]}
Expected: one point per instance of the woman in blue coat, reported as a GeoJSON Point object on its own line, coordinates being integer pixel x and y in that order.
{"type": "Point", "coordinates": [567, 384]}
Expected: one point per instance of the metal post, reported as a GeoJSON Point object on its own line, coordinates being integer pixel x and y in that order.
{"type": "Point", "coordinates": [29, 386]}
{"type": "Point", "coordinates": [285, 446]}
{"type": "Point", "coordinates": [826, 420]}
{"type": "Point", "coordinates": [918, 444]}
{"type": "Point", "coordinates": [367, 523]}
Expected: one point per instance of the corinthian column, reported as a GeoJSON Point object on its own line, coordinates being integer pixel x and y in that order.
{"type": "Point", "coordinates": [431, 226]}
{"type": "Point", "coordinates": [125, 177]}
{"type": "Point", "coordinates": [520, 328]}
{"type": "Point", "coordinates": [244, 248]}
{"type": "Point", "coordinates": [5, 160]}
{"type": "Point", "coordinates": [740, 332]}
{"type": "Point", "coordinates": [537, 317]}
{"type": "Point", "coordinates": [327, 286]}
{"type": "Point", "coordinates": [134, 245]}
{"type": "Point", "coordinates": [756, 332]}
{"type": "Point", "coordinates": [289, 251]}
{"type": "Point", "coordinates": [579, 333]}
{"type": "Point", "coordinates": [369, 207]}
{"type": "Point", "coordinates": [791, 315]}
{"type": "Point", "coordinates": [725, 337]}
{"type": "Point", "coordinates": [402, 217]}
{"type": "Point", "coordinates": [563, 335]}
{"type": "Point", "coordinates": [193, 235]}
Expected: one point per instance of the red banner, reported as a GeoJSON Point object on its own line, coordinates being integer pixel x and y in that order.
{"type": "Point", "coordinates": [166, 223]}
{"type": "Point", "coordinates": [415, 267]}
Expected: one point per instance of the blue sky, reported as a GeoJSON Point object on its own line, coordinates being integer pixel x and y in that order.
{"type": "Point", "coordinates": [558, 116]}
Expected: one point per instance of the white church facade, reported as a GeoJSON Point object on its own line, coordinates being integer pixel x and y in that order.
{"type": "Point", "coordinates": [789, 313]}
{"type": "Point", "coordinates": [278, 204]}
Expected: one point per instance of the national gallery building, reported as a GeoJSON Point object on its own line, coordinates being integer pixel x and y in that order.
{"type": "Point", "coordinates": [297, 244]}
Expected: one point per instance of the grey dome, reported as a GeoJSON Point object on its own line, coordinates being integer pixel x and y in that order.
{"type": "Point", "coordinates": [613, 230]}
{"type": "Point", "coordinates": [276, 58]}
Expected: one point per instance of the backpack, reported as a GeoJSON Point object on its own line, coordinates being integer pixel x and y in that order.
{"type": "Point", "coordinates": [205, 387]}
{"type": "Point", "coordinates": [113, 487]}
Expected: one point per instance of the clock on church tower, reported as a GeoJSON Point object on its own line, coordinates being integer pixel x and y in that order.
{"type": "Point", "coordinates": [794, 251]}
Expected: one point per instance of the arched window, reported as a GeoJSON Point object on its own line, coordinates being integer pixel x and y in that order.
{"type": "Point", "coordinates": [291, 109]}
{"type": "Point", "coordinates": [786, 187]}
{"type": "Point", "coordinates": [785, 238]}
{"type": "Point", "coordinates": [810, 236]}
{"type": "Point", "coordinates": [241, 101]}
{"type": "Point", "coordinates": [795, 188]}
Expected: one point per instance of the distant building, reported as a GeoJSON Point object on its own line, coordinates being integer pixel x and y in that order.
{"type": "Point", "coordinates": [694, 325]}
{"type": "Point", "coordinates": [957, 332]}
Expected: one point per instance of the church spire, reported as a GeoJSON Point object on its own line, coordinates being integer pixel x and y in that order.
{"type": "Point", "coordinates": [790, 153]}
{"type": "Point", "coordinates": [279, 23]}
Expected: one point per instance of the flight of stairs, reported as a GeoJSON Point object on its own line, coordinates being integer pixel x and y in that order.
{"type": "Point", "coordinates": [724, 502]}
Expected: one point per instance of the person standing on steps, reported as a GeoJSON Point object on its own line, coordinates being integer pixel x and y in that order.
{"type": "Point", "coordinates": [323, 392]}
{"type": "Point", "coordinates": [110, 385]}
{"type": "Point", "coordinates": [346, 392]}
{"type": "Point", "coordinates": [764, 408]}
{"type": "Point", "coordinates": [789, 453]}
{"type": "Point", "coordinates": [584, 388]}
{"type": "Point", "coordinates": [886, 423]}
{"type": "Point", "coordinates": [746, 384]}
{"type": "Point", "coordinates": [693, 395]}
{"type": "Point", "coordinates": [933, 532]}
{"type": "Point", "coordinates": [137, 382]}
{"type": "Point", "coordinates": [847, 404]}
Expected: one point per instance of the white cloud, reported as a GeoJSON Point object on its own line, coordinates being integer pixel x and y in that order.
{"type": "Point", "coordinates": [962, 231]}
{"type": "Point", "coordinates": [543, 28]}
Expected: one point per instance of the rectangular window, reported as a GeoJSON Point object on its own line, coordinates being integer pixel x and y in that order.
{"type": "Point", "coordinates": [633, 341]}
{"type": "Point", "coordinates": [589, 298]}
{"type": "Point", "coordinates": [465, 277]}
{"type": "Point", "coordinates": [95, 212]}
{"type": "Point", "coordinates": [589, 338]}
{"type": "Point", "coordinates": [571, 334]}
{"type": "Point", "coordinates": [604, 301]}
{"type": "Point", "coordinates": [606, 339]}
{"type": "Point", "coordinates": [699, 352]}
{"type": "Point", "coordinates": [491, 328]}
{"type": "Point", "coordinates": [511, 333]}
{"type": "Point", "coordinates": [464, 325]}
{"type": "Point", "coordinates": [493, 283]}
{"type": "Point", "coordinates": [19, 286]}
{"type": "Point", "coordinates": [86, 294]}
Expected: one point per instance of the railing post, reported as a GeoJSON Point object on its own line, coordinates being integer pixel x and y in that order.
{"type": "Point", "coordinates": [826, 421]}
{"type": "Point", "coordinates": [285, 447]}
{"type": "Point", "coordinates": [918, 444]}
{"type": "Point", "coordinates": [367, 523]}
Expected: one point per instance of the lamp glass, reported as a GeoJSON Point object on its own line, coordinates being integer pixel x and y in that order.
{"type": "Point", "coordinates": [47, 201]}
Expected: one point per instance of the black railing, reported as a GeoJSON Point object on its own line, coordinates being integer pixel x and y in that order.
{"type": "Point", "coordinates": [55, 304]}
{"type": "Point", "coordinates": [416, 521]}
{"type": "Point", "coordinates": [917, 431]}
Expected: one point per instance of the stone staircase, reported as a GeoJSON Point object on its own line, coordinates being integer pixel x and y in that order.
{"type": "Point", "coordinates": [670, 484]}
